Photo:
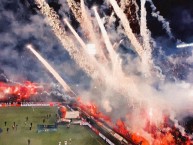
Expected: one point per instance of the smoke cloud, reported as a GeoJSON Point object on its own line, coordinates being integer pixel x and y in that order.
{"type": "Point", "coordinates": [125, 92]}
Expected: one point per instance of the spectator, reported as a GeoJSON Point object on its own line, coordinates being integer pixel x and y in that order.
{"type": "Point", "coordinates": [13, 127]}
{"type": "Point", "coordinates": [70, 140]}
{"type": "Point", "coordinates": [28, 141]}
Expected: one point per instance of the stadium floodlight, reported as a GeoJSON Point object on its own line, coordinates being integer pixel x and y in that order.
{"type": "Point", "coordinates": [184, 45]}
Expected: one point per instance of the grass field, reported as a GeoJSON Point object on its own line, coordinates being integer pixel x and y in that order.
{"type": "Point", "coordinates": [80, 135]}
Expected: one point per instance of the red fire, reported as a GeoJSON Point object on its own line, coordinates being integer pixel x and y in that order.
{"type": "Point", "coordinates": [119, 127]}
{"type": "Point", "coordinates": [92, 109]}
{"type": "Point", "coordinates": [162, 135]}
{"type": "Point", "coordinates": [20, 91]}
{"type": "Point", "coordinates": [166, 134]}
{"type": "Point", "coordinates": [62, 111]}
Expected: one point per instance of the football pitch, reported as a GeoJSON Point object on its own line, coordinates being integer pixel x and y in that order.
{"type": "Point", "coordinates": [21, 133]}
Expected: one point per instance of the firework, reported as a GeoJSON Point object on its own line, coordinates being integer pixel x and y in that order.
{"type": "Point", "coordinates": [133, 86]}
{"type": "Point", "coordinates": [184, 45]}
{"type": "Point", "coordinates": [79, 39]}
{"type": "Point", "coordinates": [138, 48]}
{"type": "Point", "coordinates": [79, 55]}
{"type": "Point", "coordinates": [51, 70]}
{"type": "Point", "coordinates": [146, 39]}
{"type": "Point", "coordinates": [160, 18]}
{"type": "Point", "coordinates": [90, 32]}
{"type": "Point", "coordinates": [106, 38]}
{"type": "Point", "coordinates": [75, 7]}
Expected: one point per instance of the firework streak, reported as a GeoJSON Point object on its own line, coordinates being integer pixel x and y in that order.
{"type": "Point", "coordinates": [78, 54]}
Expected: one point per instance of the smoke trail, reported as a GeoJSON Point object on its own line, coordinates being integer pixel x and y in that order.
{"type": "Point", "coordinates": [88, 28]}
{"type": "Point", "coordinates": [145, 35]}
{"type": "Point", "coordinates": [137, 9]}
{"type": "Point", "coordinates": [84, 19]}
{"type": "Point", "coordinates": [101, 75]}
{"type": "Point", "coordinates": [126, 7]}
{"type": "Point", "coordinates": [86, 23]}
{"type": "Point", "coordinates": [106, 39]}
{"type": "Point", "coordinates": [126, 25]}
{"type": "Point", "coordinates": [79, 55]}
{"type": "Point", "coordinates": [75, 7]}
{"type": "Point", "coordinates": [184, 45]}
{"type": "Point", "coordinates": [123, 4]}
{"type": "Point", "coordinates": [50, 69]}
{"type": "Point", "coordinates": [111, 18]}
{"type": "Point", "coordinates": [138, 48]}
{"type": "Point", "coordinates": [143, 29]}
{"type": "Point", "coordinates": [115, 45]}
{"type": "Point", "coordinates": [161, 19]}
{"type": "Point", "coordinates": [75, 34]}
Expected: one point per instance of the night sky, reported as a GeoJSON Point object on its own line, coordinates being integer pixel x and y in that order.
{"type": "Point", "coordinates": [20, 24]}
{"type": "Point", "coordinates": [179, 13]}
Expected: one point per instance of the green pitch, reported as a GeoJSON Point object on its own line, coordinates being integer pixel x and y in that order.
{"type": "Point", "coordinates": [79, 135]}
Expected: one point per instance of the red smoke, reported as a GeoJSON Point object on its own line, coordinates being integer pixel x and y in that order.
{"type": "Point", "coordinates": [19, 91]}
{"type": "Point", "coordinates": [165, 134]}
{"type": "Point", "coordinates": [62, 111]}
{"type": "Point", "coordinates": [92, 109]}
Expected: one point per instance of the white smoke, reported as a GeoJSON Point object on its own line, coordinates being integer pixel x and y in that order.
{"type": "Point", "coordinates": [160, 18]}
{"type": "Point", "coordinates": [127, 94]}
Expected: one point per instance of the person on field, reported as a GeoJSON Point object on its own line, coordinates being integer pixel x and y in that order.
{"type": "Point", "coordinates": [28, 141]}
{"type": "Point", "coordinates": [13, 127]}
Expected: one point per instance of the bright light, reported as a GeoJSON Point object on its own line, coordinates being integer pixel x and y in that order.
{"type": "Point", "coordinates": [91, 49]}
{"type": "Point", "coordinates": [7, 91]}
{"type": "Point", "coordinates": [150, 112]}
{"type": "Point", "coordinates": [94, 7]}
{"type": "Point", "coordinates": [183, 45]}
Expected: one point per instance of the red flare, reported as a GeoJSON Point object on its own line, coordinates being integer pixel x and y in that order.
{"type": "Point", "coordinates": [162, 134]}
{"type": "Point", "coordinates": [62, 111]}
{"type": "Point", "coordinates": [20, 91]}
